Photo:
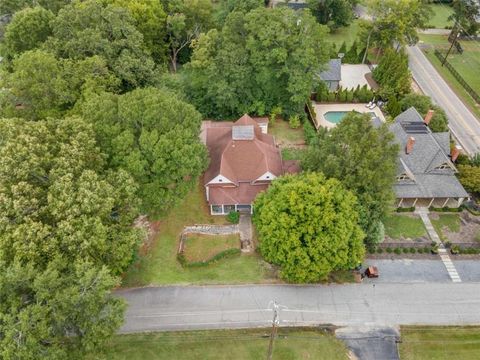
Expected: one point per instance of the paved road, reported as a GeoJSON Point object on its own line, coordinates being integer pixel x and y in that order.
{"type": "Point", "coordinates": [465, 127]}
{"type": "Point", "coordinates": [210, 307]}
{"type": "Point", "coordinates": [413, 271]}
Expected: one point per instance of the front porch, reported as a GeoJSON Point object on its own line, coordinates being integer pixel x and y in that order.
{"type": "Point", "coordinates": [428, 202]}
{"type": "Point", "coordinates": [226, 209]}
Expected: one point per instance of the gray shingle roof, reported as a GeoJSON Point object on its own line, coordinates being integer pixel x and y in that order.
{"type": "Point", "coordinates": [334, 71]}
{"type": "Point", "coordinates": [430, 151]}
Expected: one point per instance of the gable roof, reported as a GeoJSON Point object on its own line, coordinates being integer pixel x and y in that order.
{"type": "Point", "coordinates": [333, 72]}
{"type": "Point", "coordinates": [242, 160]}
{"type": "Point", "coordinates": [430, 151]}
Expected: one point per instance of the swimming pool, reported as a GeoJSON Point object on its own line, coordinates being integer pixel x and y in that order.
{"type": "Point", "coordinates": [336, 116]}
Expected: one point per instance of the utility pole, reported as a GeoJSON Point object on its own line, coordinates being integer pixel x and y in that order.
{"type": "Point", "coordinates": [453, 39]}
{"type": "Point", "coordinates": [275, 323]}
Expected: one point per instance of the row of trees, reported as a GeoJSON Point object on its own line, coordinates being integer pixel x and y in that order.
{"type": "Point", "coordinates": [359, 94]}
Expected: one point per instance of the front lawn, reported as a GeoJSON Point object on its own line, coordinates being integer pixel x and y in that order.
{"type": "Point", "coordinates": [403, 226]}
{"type": "Point", "coordinates": [440, 18]}
{"type": "Point", "coordinates": [440, 343]}
{"type": "Point", "coordinates": [226, 344]}
{"type": "Point", "coordinates": [451, 222]}
{"type": "Point", "coordinates": [200, 247]}
{"type": "Point", "coordinates": [159, 264]}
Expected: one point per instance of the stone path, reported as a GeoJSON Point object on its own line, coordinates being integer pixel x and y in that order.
{"type": "Point", "coordinates": [212, 229]}
{"type": "Point", "coordinates": [452, 272]}
{"type": "Point", "coordinates": [245, 228]}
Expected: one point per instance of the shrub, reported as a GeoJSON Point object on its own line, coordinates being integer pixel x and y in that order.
{"type": "Point", "coordinates": [397, 251]}
{"type": "Point", "coordinates": [309, 133]}
{"type": "Point", "coordinates": [409, 209]}
{"type": "Point", "coordinates": [455, 250]}
{"type": "Point", "coordinates": [447, 244]}
{"type": "Point", "coordinates": [379, 250]}
{"type": "Point", "coordinates": [413, 250]}
{"type": "Point", "coordinates": [233, 217]}
{"type": "Point", "coordinates": [294, 122]}
{"type": "Point", "coordinates": [349, 96]}
{"type": "Point", "coordinates": [434, 248]}
{"type": "Point", "coordinates": [389, 250]}
{"type": "Point", "coordinates": [331, 97]}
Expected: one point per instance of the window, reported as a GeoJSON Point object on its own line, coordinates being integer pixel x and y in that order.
{"type": "Point", "coordinates": [228, 208]}
{"type": "Point", "coordinates": [402, 177]}
{"type": "Point", "coordinates": [217, 209]}
{"type": "Point", "coordinates": [443, 167]}
{"type": "Point", "coordinates": [220, 180]}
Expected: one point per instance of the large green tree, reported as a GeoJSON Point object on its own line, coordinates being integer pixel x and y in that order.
{"type": "Point", "coordinates": [40, 85]}
{"type": "Point", "coordinates": [57, 200]}
{"type": "Point", "coordinates": [334, 13]}
{"type": "Point", "coordinates": [423, 103]}
{"type": "Point", "coordinates": [225, 7]}
{"type": "Point", "coordinates": [87, 28]}
{"type": "Point", "coordinates": [466, 14]}
{"type": "Point", "coordinates": [12, 6]}
{"type": "Point", "coordinates": [395, 22]}
{"type": "Point", "coordinates": [155, 137]}
{"type": "Point", "coordinates": [469, 176]}
{"type": "Point", "coordinates": [28, 29]}
{"type": "Point", "coordinates": [363, 157]}
{"type": "Point", "coordinates": [393, 74]}
{"type": "Point", "coordinates": [61, 311]}
{"type": "Point", "coordinates": [308, 225]}
{"type": "Point", "coordinates": [258, 61]}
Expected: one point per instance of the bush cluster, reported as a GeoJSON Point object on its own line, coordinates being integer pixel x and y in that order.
{"type": "Point", "coordinates": [358, 95]}
{"type": "Point", "coordinates": [407, 209]}
{"type": "Point", "coordinates": [405, 250]}
{"type": "Point", "coordinates": [233, 217]}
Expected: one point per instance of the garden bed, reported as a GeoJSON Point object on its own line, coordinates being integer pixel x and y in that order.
{"type": "Point", "coordinates": [461, 228]}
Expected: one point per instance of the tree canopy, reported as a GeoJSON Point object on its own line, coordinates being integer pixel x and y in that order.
{"type": "Point", "coordinates": [334, 13]}
{"type": "Point", "coordinates": [466, 14]}
{"type": "Point", "coordinates": [393, 74]}
{"type": "Point", "coordinates": [308, 225]}
{"type": "Point", "coordinates": [363, 157]}
{"type": "Point", "coordinates": [439, 121]}
{"type": "Point", "coordinates": [152, 135]}
{"type": "Point", "coordinates": [257, 61]}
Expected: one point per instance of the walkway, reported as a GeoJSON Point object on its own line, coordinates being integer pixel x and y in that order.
{"type": "Point", "coordinates": [463, 124]}
{"type": "Point", "coordinates": [245, 228]}
{"type": "Point", "coordinates": [452, 272]}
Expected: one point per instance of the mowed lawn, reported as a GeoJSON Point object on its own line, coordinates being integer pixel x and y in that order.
{"type": "Point", "coordinates": [398, 226]}
{"type": "Point", "coordinates": [440, 343]}
{"type": "Point", "coordinates": [200, 247]}
{"type": "Point", "coordinates": [467, 65]}
{"type": "Point", "coordinates": [226, 345]}
{"type": "Point", "coordinates": [440, 18]}
{"type": "Point", "coordinates": [159, 266]}
{"type": "Point", "coordinates": [345, 34]}
{"type": "Point", "coordinates": [450, 222]}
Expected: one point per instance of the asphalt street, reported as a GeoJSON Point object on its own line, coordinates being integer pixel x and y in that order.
{"type": "Point", "coordinates": [463, 124]}
{"type": "Point", "coordinates": [367, 304]}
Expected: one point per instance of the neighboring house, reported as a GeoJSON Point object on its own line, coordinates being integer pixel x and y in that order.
{"type": "Point", "coordinates": [244, 160]}
{"type": "Point", "coordinates": [425, 168]}
{"type": "Point", "coordinates": [333, 75]}
{"type": "Point", "coordinates": [292, 4]}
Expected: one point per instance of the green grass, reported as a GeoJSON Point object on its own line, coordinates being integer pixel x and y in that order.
{"type": "Point", "coordinates": [292, 153]}
{"type": "Point", "coordinates": [440, 17]}
{"type": "Point", "coordinates": [159, 264]}
{"type": "Point", "coordinates": [348, 34]}
{"type": "Point", "coordinates": [449, 221]}
{"type": "Point", "coordinates": [200, 247]}
{"type": "Point", "coordinates": [284, 135]}
{"type": "Point", "coordinates": [440, 343]}
{"type": "Point", "coordinates": [404, 226]}
{"type": "Point", "coordinates": [467, 65]}
{"type": "Point", "coordinates": [226, 344]}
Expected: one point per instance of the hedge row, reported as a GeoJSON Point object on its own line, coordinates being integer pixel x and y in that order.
{"type": "Point", "coordinates": [408, 250]}
{"type": "Point", "coordinates": [358, 95]}
{"type": "Point", "coordinates": [221, 255]}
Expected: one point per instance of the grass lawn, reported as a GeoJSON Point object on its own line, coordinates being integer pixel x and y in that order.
{"type": "Point", "coordinates": [440, 343]}
{"type": "Point", "coordinates": [286, 136]}
{"type": "Point", "coordinates": [292, 153]}
{"type": "Point", "coordinates": [449, 221]}
{"type": "Point", "coordinates": [160, 266]}
{"type": "Point", "coordinates": [467, 65]}
{"type": "Point", "coordinates": [200, 247]}
{"type": "Point", "coordinates": [226, 344]}
{"type": "Point", "coordinates": [404, 226]}
{"type": "Point", "coordinates": [441, 14]}
{"type": "Point", "coordinates": [348, 34]}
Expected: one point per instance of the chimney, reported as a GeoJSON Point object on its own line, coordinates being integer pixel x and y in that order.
{"type": "Point", "coordinates": [428, 117]}
{"type": "Point", "coordinates": [409, 146]}
{"type": "Point", "coordinates": [455, 152]}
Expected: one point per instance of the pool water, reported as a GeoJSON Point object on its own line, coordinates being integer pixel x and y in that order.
{"type": "Point", "coordinates": [336, 116]}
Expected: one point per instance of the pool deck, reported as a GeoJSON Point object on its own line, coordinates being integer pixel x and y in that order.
{"type": "Point", "coordinates": [321, 109]}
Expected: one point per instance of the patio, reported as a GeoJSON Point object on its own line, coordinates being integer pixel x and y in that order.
{"type": "Point", "coordinates": [321, 109]}
{"type": "Point", "coordinates": [355, 75]}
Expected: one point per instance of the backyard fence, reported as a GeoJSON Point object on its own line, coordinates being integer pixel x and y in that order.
{"type": "Point", "coordinates": [457, 76]}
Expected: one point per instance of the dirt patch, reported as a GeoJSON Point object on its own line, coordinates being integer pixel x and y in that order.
{"type": "Point", "coordinates": [151, 229]}
{"type": "Point", "coordinates": [469, 229]}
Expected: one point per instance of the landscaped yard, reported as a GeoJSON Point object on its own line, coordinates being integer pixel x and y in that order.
{"type": "Point", "coordinates": [286, 136]}
{"type": "Point", "coordinates": [159, 265]}
{"type": "Point", "coordinates": [440, 343]}
{"type": "Point", "coordinates": [200, 247]}
{"type": "Point", "coordinates": [440, 18]}
{"type": "Point", "coordinates": [467, 65]}
{"type": "Point", "coordinates": [404, 226]}
{"type": "Point", "coordinates": [227, 344]}
{"type": "Point", "coordinates": [450, 222]}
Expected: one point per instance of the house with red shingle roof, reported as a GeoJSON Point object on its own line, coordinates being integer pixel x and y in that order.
{"type": "Point", "coordinates": [244, 160]}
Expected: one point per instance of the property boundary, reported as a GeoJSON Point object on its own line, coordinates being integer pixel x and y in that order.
{"type": "Point", "coordinates": [457, 76]}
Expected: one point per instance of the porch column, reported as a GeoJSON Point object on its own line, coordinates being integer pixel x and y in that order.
{"type": "Point", "coordinates": [416, 199]}
{"type": "Point", "coordinates": [431, 202]}
{"type": "Point", "coordinates": [211, 209]}
{"type": "Point", "coordinates": [460, 201]}
{"type": "Point", "coordinates": [446, 202]}
{"type": "Point", "coordinates": [400, 203]}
